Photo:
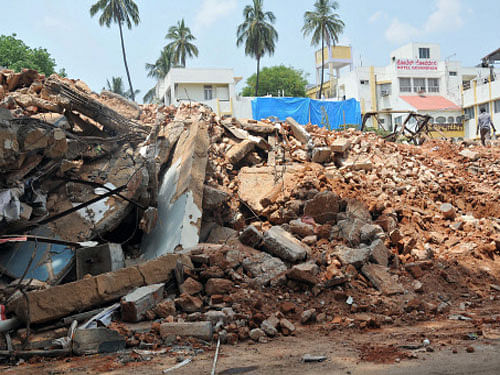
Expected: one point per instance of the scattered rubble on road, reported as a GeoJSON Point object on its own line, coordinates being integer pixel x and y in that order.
{"type": "Point", "coordinates": [226, 228]}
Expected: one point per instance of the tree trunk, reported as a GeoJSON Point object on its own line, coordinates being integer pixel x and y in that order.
{"type": "Point", "coordinates": [132, 94]}
{"type": "Point", "coordinates": [322, 64]}
{"type": "Point", "coordinates": [257, 81]}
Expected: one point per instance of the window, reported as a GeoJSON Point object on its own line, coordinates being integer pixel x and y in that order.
{"type": "Point", "coordinates": [405, 84]}
{"type": "Point", "coordinates": [497, 106]}
{"type": "Point", "coordinates": [385, 89]}
{"type": "Point", "coordinates": [469, 112]}
{"type": "Point", "coordinates": [452, 74]}
{"type": "Point", "coordinates": [398, 120]}
{"type": "Point", "coordinates": [208, 90]}
{"type": "Point", "coordinates": [424, 53]}
{"type": "Point", "coordinates": [485, 106]}
{"type": "Point", "coordinates": [419, 84]}
{"type": "Point", "coordinates": [364, 81]}
{"type": "Point", "coordinates": [440, 119]}
{"type": "Point", "coordinates": [433, 84]}
{"type": "Point", "coordinates": [459, 119]}
{"type": "Point", "coordinates": [451, 120]}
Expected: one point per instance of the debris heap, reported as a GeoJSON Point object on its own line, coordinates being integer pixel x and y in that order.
{"type": "Point", "coordinates": [113, 213]}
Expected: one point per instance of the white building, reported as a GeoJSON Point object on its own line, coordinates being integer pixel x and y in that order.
{"type": "Point", "coordinates": [483, 92]}
{"type": "Point", "coordinates": [416, 79]}
{"type": "Point", "coordinates": [213, 87]}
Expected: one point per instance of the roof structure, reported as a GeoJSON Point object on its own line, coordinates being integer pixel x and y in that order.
{"type": "Point", "coordinates": [431, 103]}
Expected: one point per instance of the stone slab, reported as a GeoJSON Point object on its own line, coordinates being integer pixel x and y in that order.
{"type": "Point", "coordinates": [202, 330]}
{"type": "Point", "coordinates": [135, 304]}
{"type": "Point", "coordinates": [284, 245]}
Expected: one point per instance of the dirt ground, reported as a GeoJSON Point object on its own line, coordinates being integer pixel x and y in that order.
{"type": "Point", "coordinates": [456, 347]}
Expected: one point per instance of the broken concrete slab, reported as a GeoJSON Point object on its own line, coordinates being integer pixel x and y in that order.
{"type": "Point", "coordinates": [284, 245]}
{"type": "Point", "coordinates": [181, 195]}
{"type": "Point", "coordinates": [62, 300]}
{"type": "Point", "coordinates": [305, 272]}
{"type": "Point", "coordinates": [201, 330]}
{"type": "Point", "coordinates": [379, 253]}
{"type": "Point", "coordinates": [97, 340]}
{"type": "Point", "coordinates": [323, 207]}
{"type": "Point", "coordinates": [381, 279]}
{"type": "Point", "coordinates": [263, 267]}
{"type": "Point", "coordinates": [239, 151]}
{"type": "Point", "coordinates": [358, 209]}
{"type": "Point", "coordinates": [356, 257]}
{"type": "Point", "coordinates": [213, 197]}
{"type": "Point", "coordinates": [191, 286]}
{"type": "Point", "coordinates": [220, 234]}
{"type": "Point", "coordinates": [298, 131]}
{"type": "Point", "coordinates": [99, 259]}
{"type": "Point", "coordinates": [136, 304]}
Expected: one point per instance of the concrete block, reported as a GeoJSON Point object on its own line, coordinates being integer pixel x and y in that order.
{"type": "Point", "coordinates": [284, 245]}
{"type": "Point", "coordinates": [251, 237]}
{"type": "Point", "coordinates": [99, 259]}
{"type": "Point", "coordinates": [356, 257]}
{"type": "Point", "coordinates": [298, 131]}
{"type": "Point", "coordinates": [135, 304]}
{"type": "Point", "coordinates": [201, 330]}
{"type": "Point", "coordinates": [321, 155]}
{"type": "Point", "coordinates": [340, 145]}
{"type": "Point", "coordinates": [97, 340]}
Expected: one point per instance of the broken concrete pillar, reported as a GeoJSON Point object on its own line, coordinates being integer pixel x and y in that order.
{"type": "Point", "coordinates": [97, 340]}
{"type": "Point", "coordinates": [284, 245]}
{"type": "Point", "coordinates": [99, 259]}
{"type": "Point", "coordinates": [135, 304]}
{"type": "Point", "coordinates": [62, 300]}
{"type": "Point", "coordinates": [298, 131]}
{"type": "Point", "coordinates": [239, 151]}
{"type": "Point", "coordinates": [201, 330]}
{"type": "Point", "coordinates": [181, 195]}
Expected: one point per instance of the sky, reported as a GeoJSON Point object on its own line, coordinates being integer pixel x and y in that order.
{"type": "Point", "coordinates": [467, 30]}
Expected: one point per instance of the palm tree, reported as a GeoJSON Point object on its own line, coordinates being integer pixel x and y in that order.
{"type": "Point", "coordinates": [324, 25]}
{"type": "Point", "coordinates": [180, 45]}
{"type": "Point", "coordinates": [116, 86]}
{"type": "Point", "coordinates": [158, 70]}
{"type": "Point", "coordinates": [258, 33]}
{"type": "Point", "coordinates": [120, 12]}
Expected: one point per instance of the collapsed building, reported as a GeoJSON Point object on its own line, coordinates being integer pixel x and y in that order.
{"type": "Point", "coordinates": [114, 213]}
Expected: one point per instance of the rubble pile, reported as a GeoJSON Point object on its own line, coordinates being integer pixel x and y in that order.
{"type": "Point", "coordinates": [193, 225]}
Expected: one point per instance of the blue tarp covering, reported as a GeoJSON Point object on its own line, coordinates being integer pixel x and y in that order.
{"type": "Point", "coordinates": [331, 114]}
{"type": "Point", "coordinates": [304, 110]}
{"type": "Point", "coordinates": [298, 108]}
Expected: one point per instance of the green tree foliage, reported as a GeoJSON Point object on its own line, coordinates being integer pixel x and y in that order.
{"type": "Point", "coordinates": [16, 55]}
{"type": "Point", "coordinates": [325, 26]}
{"type": "Point", "coordinates": [181, 45]}
{"type": "Point", "coordinates": [116, 86]}
{"type": "Point", "coordinates": [121, 12]}
{"type": "Point", "coordinates": [158, 70]}
{"type": "Point", "coordinates": [277, 80]}
{"type": "Point", "coordinates": [257, 33]}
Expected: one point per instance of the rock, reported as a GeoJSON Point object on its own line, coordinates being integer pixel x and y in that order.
{"type": "Point", "coordinates": [232, 338]}
{"type": "Point", "coordinates": [202, 330]}
{"type": "Point", "coordinates": [215, 316]}
{"type": "Point", "coordinates": [191, 286]}
{"type": "Point", "coordinates": [417, 286]}
{"type": "Point", "coordinates": [189, 303]}
{"type": "Point", "coordinates": [308, 316]}
{"type": "Point", "coordinates": [387, 222]}
{"type": "Point", "coordinates": [287, 307]}
{"type": "Point", "coordinates": [305, 272]}
{"type": "Point", "coordinates": [321, 155]}
{"type": "Point", "coordinates": [369, 232]}
{"type": "Point", "coordinates": [238, 151]}
{"type": "Point", "coordinates": [379, 253]}
{"type": "Point", "coordinates": [263, 267]}
{"type": "Point", "coordinates": [286, 327]}
{"type": "Point", "coordinates": [310, 240]}
{"type": "Point", "coordinates": [218, 286]}
{"type": "Point", "coordinates": [165, 308]}
{"type": "Point", "coordinates": [282, 244]}
{"type": "Point", "coordinates": [5, 114]}
{"type": "Point", "coordinates": [358, 209]}
{"type": "Point", "coordinates": [448, 211]}
{"type": "Point", "coordinates": [214, 198]}
{"type": "Point", "coordinates": [323, 207]}
{"type": "Point", "coordinates": [269, 326]}
{"type": "Point", "coordinates": [135, 304]}
{"type": "Point", "coordinates": [300, 228]}
{"type": "Point", "coordinates": [380, 277]}
{"type": "Point", "coordinates": [251, 237]}
{"type": "Point", "coordinates": [256, 333]}
{"type": "Point", "coordinates": [473, 156]}
{"type": "Point", "coordinates": [356, 257]}
{"type": "Point", "coordinates": [97, 340]}
{"type": "Point", "coordinates": [221, 234]}
{"type": "Point", "coordinates": [350, 230]}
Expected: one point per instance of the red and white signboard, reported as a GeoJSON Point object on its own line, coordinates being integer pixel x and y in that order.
{"type": "Point", "coordinates": [409, 64]}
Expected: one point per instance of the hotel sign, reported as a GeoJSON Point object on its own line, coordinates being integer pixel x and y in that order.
{"type": "Point", "coordinates": [409, 64]}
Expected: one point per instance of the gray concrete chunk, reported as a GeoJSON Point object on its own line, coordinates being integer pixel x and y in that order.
{"type": "Point", "coordinates": [135, 304]}
{"type": "Point", "coordinates": [97, 340]}
{"type": "Point", "coordinates": [202, 330]}
{"type": "Point", "coordinates": [284, 245]}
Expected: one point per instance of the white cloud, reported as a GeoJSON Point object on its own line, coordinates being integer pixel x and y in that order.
{"type": "Point", "coordinates": [400, 32]}
{"type": "Point", "coordinates": [376, 16]}
{"type": "Point", "coordinates": [212, 10]}
{"type": "Point", "coordinates": [446, 17]}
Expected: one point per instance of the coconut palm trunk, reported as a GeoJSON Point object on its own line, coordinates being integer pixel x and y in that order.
{"type": "Point", "coordinates": [257, 80]}
{"type": "Point", "coordinates": [322, 64]}
{"type": "Point", "coordinates": [132, 95]}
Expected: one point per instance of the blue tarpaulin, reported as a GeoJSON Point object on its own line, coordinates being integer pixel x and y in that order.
{"type": "Point", "coordinates": [323, 113]}
{"type": "Point", "coordinates": [298, 108]}
{"type": "Point", "coordinates": [331, 114]}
